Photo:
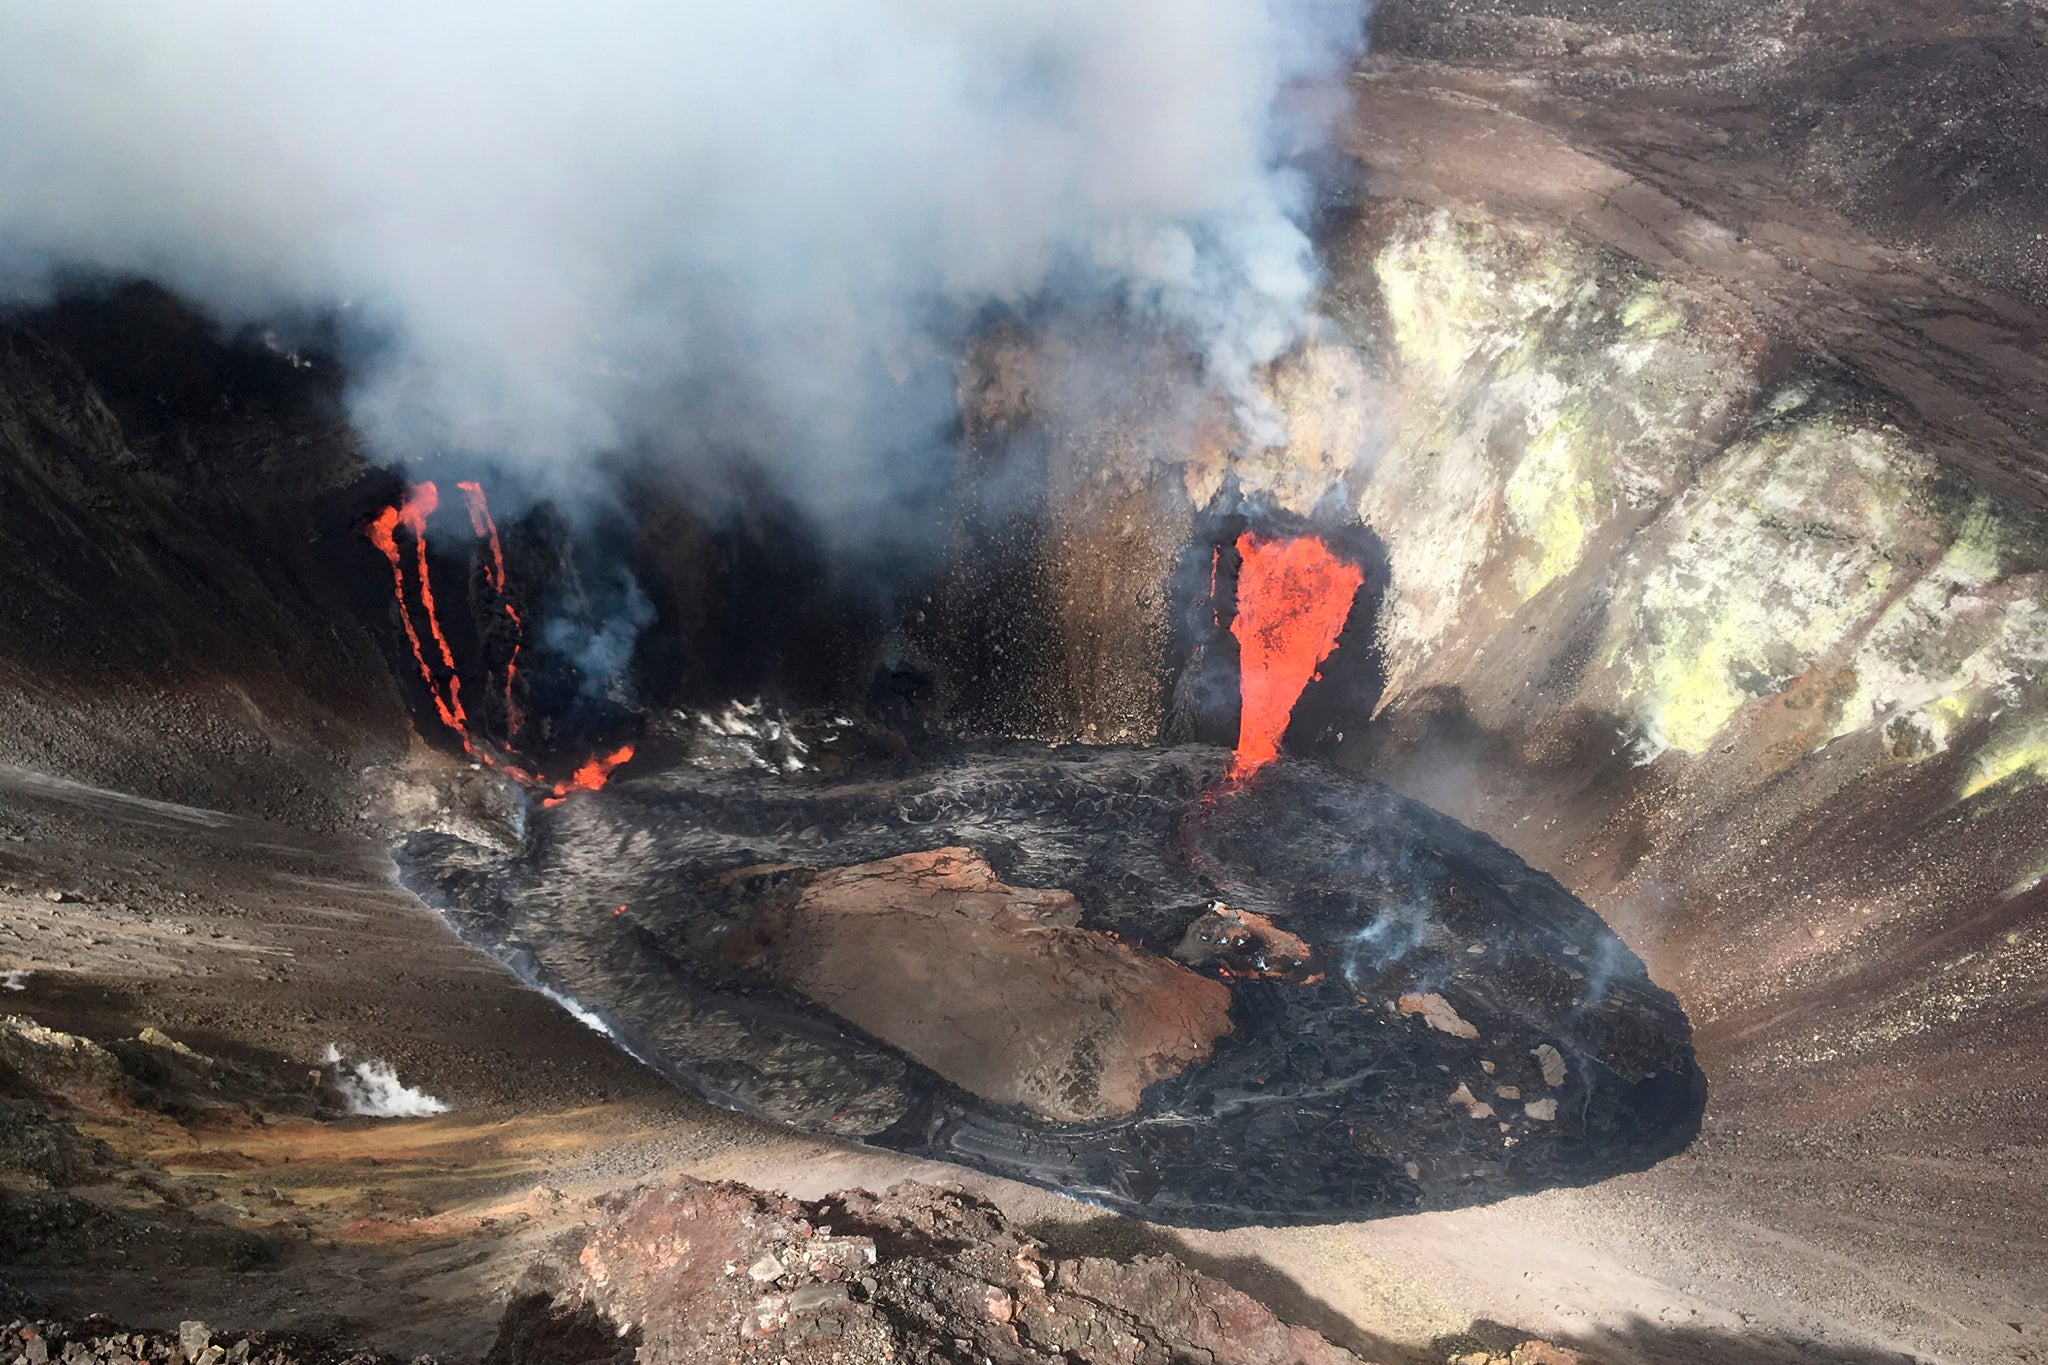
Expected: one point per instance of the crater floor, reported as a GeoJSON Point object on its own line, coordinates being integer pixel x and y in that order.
{"type": "Point", "coordinates": [1345, 1004]}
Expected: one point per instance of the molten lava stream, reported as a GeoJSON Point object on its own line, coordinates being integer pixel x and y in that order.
{"type": "Point", "coordinates": [1293, 597]}
{"type": "Point", "coordinates": [420, 502]}
{"type": "Point", "coordinates": [486, 528]}
{"type": "Point", "coordinates": [412, 513]}
{"type": "Point", "coordinates": [593, 774]}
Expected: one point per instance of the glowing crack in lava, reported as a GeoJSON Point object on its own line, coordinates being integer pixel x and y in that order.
{"type": "Point", "coordinates": [1293, 596]}
{"type": "Point", "coordinates": [420, 502]}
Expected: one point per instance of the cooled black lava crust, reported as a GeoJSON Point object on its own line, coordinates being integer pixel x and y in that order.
{"type": "Point", "coordinates": [1324, 1103]}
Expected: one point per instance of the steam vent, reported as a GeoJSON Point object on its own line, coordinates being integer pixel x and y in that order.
{"type": "Point", "coordinates": [1257, 682]}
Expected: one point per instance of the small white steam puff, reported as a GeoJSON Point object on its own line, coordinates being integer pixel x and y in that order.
{"type": "Point", "coordinates": [371, 1089]}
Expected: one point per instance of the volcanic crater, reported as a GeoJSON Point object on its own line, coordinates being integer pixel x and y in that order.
{"type": "Point", "coordinates": [1697, 509]}
{"type": "Point", "coordinates": [1001, 956]}
{"type": "Point", "coordinates": [1206, 993]}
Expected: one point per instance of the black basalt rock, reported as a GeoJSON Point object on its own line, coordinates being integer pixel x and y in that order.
{"type": "Point", "coordinates": [1463, 1030]}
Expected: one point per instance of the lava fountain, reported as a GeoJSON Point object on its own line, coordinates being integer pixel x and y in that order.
{"type": "Point", "coordinates": [1293, 597]}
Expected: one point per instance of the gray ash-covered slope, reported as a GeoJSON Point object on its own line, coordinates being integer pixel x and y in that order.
{"type": "Point", "coordinates": [1393, 1013]}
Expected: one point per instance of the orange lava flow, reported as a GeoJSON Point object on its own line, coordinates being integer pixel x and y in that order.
{"type": "Point", "coordinates": [481, 522]}
{"type": "Point", "coordinates": [383, 532]}
{"type": "Point", "coordinates": [1293, 596]}
{"type": "Point", "coordinates": [592, 775]}
{"type": "Point", "coordinates": [420, 502]}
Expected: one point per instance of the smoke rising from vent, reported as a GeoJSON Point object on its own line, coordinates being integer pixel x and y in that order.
{"type": "Point", "coordinates": [599, 642]}
{"type": "Point", "coordinates": [553, 230]}
{"type": "Point", "coordinates": [371, 1089]}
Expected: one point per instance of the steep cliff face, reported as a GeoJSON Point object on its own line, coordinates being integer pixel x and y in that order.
{"type": "Point", "coordinates": [1722, 594]}
{"type": "Point", "coordinates": [1918, 119]}
{"type": "Point", "coordinates": [1698, 632]}
{"type": "Point", "coordinates": [1577, 441]}
{"type": "Point", "coordinates": [173, 508]}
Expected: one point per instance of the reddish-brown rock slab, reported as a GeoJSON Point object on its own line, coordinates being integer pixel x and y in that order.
{"type": "Point", "coordinates": [993, 986]}
{"type": "Point", "coordinates": [1245, 944]}
{"type": "Point", "coordinates": [690, 1273]}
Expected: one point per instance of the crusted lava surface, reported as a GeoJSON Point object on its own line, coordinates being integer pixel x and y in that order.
{"type": "Point", "coordinates": [1462, 1029]}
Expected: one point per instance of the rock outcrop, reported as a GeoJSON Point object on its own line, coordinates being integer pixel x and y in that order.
{"type": "Point", "coordinates": [997, 988]}
{"type": "Point", "coordinates": [693, 1273]}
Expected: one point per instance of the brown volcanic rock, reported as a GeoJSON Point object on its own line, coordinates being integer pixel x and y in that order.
{"type": "Point", "coordinates": [993, 986]}
{"type": "Point", "coordinates": [693, 1273]}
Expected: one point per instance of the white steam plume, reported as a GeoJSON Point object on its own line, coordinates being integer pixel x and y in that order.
{"type": "Point", "coordinates": [572, 227]}
{"type": "Point", "coordinates": [372, 1089]}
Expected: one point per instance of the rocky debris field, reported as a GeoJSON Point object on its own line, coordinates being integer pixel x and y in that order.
{"type": "Point", "coordinates": [96, 1341]}
{"type": "Point", "coordinates": [684, 1270]}
{"type": "Point", "coordinates": [691, 1273]}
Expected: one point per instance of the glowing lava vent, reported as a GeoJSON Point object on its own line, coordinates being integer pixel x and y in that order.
{"type": "Point", "coordinates": [1293, 596]}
